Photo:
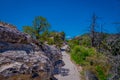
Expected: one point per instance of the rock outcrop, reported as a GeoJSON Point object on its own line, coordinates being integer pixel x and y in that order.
{"type": "Point", "coordinates": [7, 25]}
{"type": "Point", "coordinates": [23, 58]}
{"type": "Point", "coordinates": [13, 35]}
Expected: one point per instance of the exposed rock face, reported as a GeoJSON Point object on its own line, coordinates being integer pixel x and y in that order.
{"type": "Point", "coordinates": [21, 57]}
{"type": "Point", "coordinates": [7, 25]}
{"type": "Point", "coordinates": [66, 48]}
{"type": "Point", "coordinates": [13, 36]}
{"type": "Point", "coordinates": [115, 67]}
{"type": "Point", "coordinates": [113, 41]}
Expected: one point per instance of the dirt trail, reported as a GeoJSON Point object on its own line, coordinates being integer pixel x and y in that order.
{"type": "Point", "coordinates": [69, 71]}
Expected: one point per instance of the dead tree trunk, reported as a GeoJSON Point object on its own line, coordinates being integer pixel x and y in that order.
{"type": "Point", "coordinates": [92, 30]}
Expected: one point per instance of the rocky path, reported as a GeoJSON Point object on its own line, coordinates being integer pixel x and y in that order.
{"type": "Point", "coordinates": [69, 71]}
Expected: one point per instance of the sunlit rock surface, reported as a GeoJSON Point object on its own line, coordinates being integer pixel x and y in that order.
{"type": "Point", "coordinates": [23, 58]}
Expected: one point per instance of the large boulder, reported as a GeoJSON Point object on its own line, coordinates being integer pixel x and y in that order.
{"type": "Point", "coordinates": [23, 58]}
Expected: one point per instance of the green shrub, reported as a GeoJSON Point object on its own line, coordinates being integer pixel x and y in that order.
{"type": "Point", "coordinates": [99, 66]}
{"type": "Point", "coordinates": [80, 53]}
{"type": "Point", "coordinates": [50, 41]}
{"type": "Point", "coordinates": [100, 73]}
{"type": "Point", "coordinates": [91, 60]}
{"type": "Point", "coordinates": [85, 41]}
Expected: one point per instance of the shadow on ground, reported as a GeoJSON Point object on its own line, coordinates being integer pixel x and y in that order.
{"type": "Point", "coordinates": [60, 71]}
{"type": "Point", "coordinates": [64, 72]}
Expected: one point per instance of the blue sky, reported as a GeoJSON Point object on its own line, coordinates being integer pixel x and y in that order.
{"type": "Point", "coordinates": [71, 16]}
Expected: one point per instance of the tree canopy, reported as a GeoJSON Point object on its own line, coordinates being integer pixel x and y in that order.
{"type": "Point", "coordinates": [40, 25]}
